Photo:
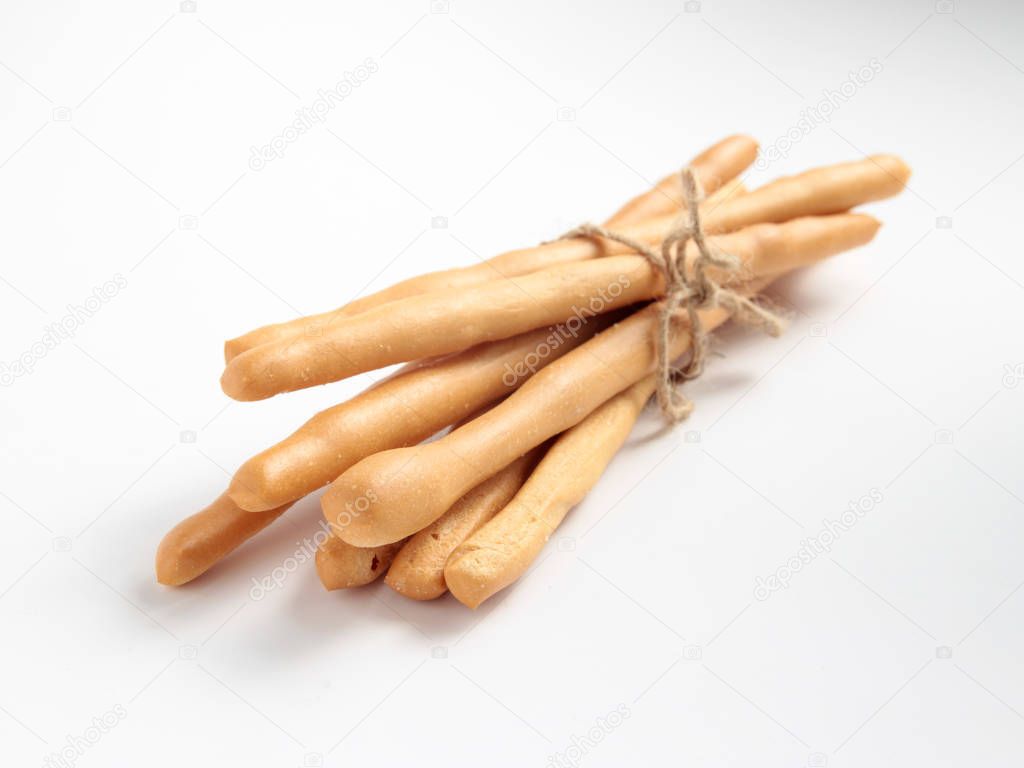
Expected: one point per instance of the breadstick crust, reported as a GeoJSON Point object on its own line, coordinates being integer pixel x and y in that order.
{"type": "Point", "coordinates": [502, 550]}
{"type": "Point", "coordinates": [342, 566]}
{"type": "Point", "coordinates": [727, 191]}
{"type": "Point", "coordinates": [774, 249]}
{"type": "Point", "coordinates": [820, 191]}
{"type": "Point", "coordinates": [433, 396]}
{"type": "Point", "coordinates": [816, 192]}
{"type": "Point", "coordinates": [201, 540]}
{"type": "Point", "coordinates": [505, 307]}
{"type": "Point", "coordinates": [400, 411]}
{"type": "Point", "coordinates": [417, 571]}
{"type": "Point", "coordinates": [715, 165]}
{"type": "Point", "coordinates": [412, 487]}
{"type": "Point", "coordinates": [451, 281]}
{"type": "Point", "coordinates": [440, 323]}
{"type": "Point", "coordinates": [409, 488]}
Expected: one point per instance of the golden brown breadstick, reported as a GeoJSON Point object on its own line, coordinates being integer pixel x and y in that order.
{"type": "Point", "coordinates": [418, 569]}
{"type": "Point", "coordinates": [198, 542]}
{"type": "Point", "coordinates": [389, 489]}
{"type": "Point", "coordinates": [713, 167]}
{"type": "Point", "coordinates": [502, 550]}
{"type": "Point", "coordinates": [438, 323]}
{"type": "Point", "coordinates": [428, 397]}
{"type": "Point", "coordinates": [392, 494]}
{"type": "Point", "coordinates": [341, 565]}
{"type": "Point", "coordinates": [730, 189]}
{"type": "Point", "coordinates": [821, 191]}
{"type": "Point", "coordinates": [402, 410]}
{"type": "Point", "coordinates": [716, 166]}
{"type": "Point", "coordinates": [817, 192]}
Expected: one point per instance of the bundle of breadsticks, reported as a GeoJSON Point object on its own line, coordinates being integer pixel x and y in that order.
{"type": "Point", "coordinates": [538, 362]}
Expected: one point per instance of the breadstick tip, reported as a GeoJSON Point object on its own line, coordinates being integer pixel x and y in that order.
{"type": "Point", "coordinates": [387, 496]}
{"type": "Point", "coordinates": [248, 487]}
{"type": "Point", "coordinates": [203, 539]}
{"type": "Point", "coordinates": [232, 349]}
{"type": "Point", "coordinates": [329, 575]}
{"type": "Point", "coordinates": [894, 166]}
{"type": "Point", "coordinates": [176, 561]}
{"type": "Point", "coordinates": [237, 382]}
{"type": "Point", "coordinates": [863, 227]}
{"type": "Point", "coordinates": [725, 160]}
{"type": "Point", "coordinates": [167, 561]}
{"type": "Point", "coordinates": [744, 138]}
{"type": "Point", "coordinates": [341, 566]}
{"type": "Point", "coordinates": [463, 578]}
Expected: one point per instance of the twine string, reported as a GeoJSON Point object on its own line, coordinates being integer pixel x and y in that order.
{"type": "Point", "coordinates": [686, 292]}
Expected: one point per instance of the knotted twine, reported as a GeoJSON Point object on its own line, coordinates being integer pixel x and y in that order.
{"type": "Point", "coordinates": [686, 292]}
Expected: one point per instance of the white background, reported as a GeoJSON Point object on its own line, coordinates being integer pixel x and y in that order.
{"type": "Point", "coordinates": [899, 373]}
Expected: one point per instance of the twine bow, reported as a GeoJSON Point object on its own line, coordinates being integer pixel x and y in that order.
{"type": "Point", "coordinates": [686, 292]}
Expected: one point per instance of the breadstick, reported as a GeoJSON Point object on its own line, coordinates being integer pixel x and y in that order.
{"type": "Point", "coordinates": [821, 191]}
{"type": "Point", "coordinates": [716, 165]}
{"type": "Point", "coordinates": [340, 565]}
{"type": "Point", "coordinates": [418, 569]}
{"type": "Point", "coordinates": [198, 542]}
{"type": "Point", "coordinates": [437, 323]}
{"type": "Point", "coordinates": [400, 411]}
{"type": "Point", "coordinates": [817, 192]}
{"type": "Point", "coordinates": [730, 189]}
{"type": "Point", "coordinates": [428, 396]}
{"type": "Point", "coordinates": [400, 491]}
{"type": "Point", "coordinates": [392, 494]}
{"type": "Point", "coordinates": [502, 550]}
